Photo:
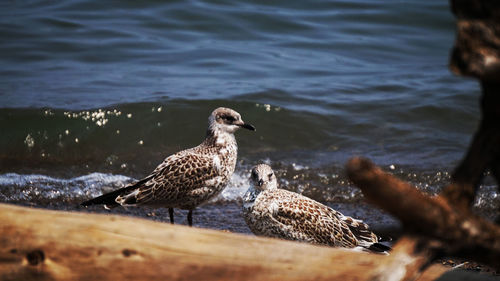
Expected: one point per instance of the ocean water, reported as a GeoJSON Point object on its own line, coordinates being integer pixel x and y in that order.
{"type": "Point", "coordinates": [95, 94]}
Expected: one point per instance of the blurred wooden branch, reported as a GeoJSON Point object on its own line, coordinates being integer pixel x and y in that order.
{"type": "Point", "coordinates": [477, 46]}
{"type": "Point", "coordinates": [441, 226]}
{"type": "Point", "coordinates": [444, 225]}
{"type": "Point", "coordinates": [40, 244]}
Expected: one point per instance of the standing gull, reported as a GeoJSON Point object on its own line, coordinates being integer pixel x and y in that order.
{"type": "Point", "coordinates": [274, 212]}
{"type": "Point", "coordinates": [189, 177]}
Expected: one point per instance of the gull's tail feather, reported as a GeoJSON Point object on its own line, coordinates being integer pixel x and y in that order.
{"type": "Point", "coordinates": [107, 199]}
{"type": "Point", "coordinates": [110, 199]}
{"type": "Point", "coordinates": [379, 248]}
{"type": "Point", "coordinates": [129, 199]}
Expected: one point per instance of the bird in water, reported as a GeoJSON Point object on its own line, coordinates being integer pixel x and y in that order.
{"type": "Point", "coordinates": [274, 212]}
{"type": "Point", "coordinates": [189, 177]}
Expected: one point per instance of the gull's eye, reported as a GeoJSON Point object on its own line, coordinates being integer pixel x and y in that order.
{"type": "Point", "coordinates": [270, 175]}
{"type": "Point", "coordinates": [229, 118]}
{"type": "Point", "coordinates": [254, 174]}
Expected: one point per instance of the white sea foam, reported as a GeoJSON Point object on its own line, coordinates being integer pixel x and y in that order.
{"type": "Point", "coordinates": [235, 189]}
{"type": "Point", "coordinates": [487, 196]}
{"type": "Point", "coordinates": [19, 187]}
{"type": "Point", "coordinates": [33, 188]}
{"type": "Point", "coordinates": [27, 188]}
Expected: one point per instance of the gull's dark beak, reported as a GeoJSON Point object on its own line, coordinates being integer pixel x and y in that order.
{"type": "Point", "coordinates": [260, 182]}
{"type": "Point", "coordinates": [248, 127]}
{"type": "Point", "coordinates": [245, 125]}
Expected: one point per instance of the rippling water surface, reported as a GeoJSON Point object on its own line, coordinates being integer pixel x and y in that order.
{"type": "Point", "coordinates": [94, 94]}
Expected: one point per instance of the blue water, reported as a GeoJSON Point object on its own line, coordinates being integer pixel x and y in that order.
{"type": "Point", "coordinates": [321, 80]}
{"type": "Point", "coordinates": [88, 54]}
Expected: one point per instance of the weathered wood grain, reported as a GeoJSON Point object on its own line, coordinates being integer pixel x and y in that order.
{"type": "Point", "coordinates": [40, 244]}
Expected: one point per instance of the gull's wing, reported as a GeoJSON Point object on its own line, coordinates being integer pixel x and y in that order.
{"type": "Point", "coordinates": [312, 220]}
{"type": "Point", "coordinates": [176, 176]}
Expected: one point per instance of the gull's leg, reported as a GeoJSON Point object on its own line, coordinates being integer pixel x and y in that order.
{"type": "Point", "coordinates": [171, 213]}
{"type": "Point", "coordinates": [190, 217]}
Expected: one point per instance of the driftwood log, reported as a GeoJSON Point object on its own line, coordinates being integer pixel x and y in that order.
{"type": "Point", "coordinates": [444, 225]}
{"type": "Point", "coordinates": [40, 244]}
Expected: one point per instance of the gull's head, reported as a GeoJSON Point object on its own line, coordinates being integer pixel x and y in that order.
{"type": "Point", "coordinates": [227, 120]}
{"type": "Point", "coordinates": [263, 177]}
